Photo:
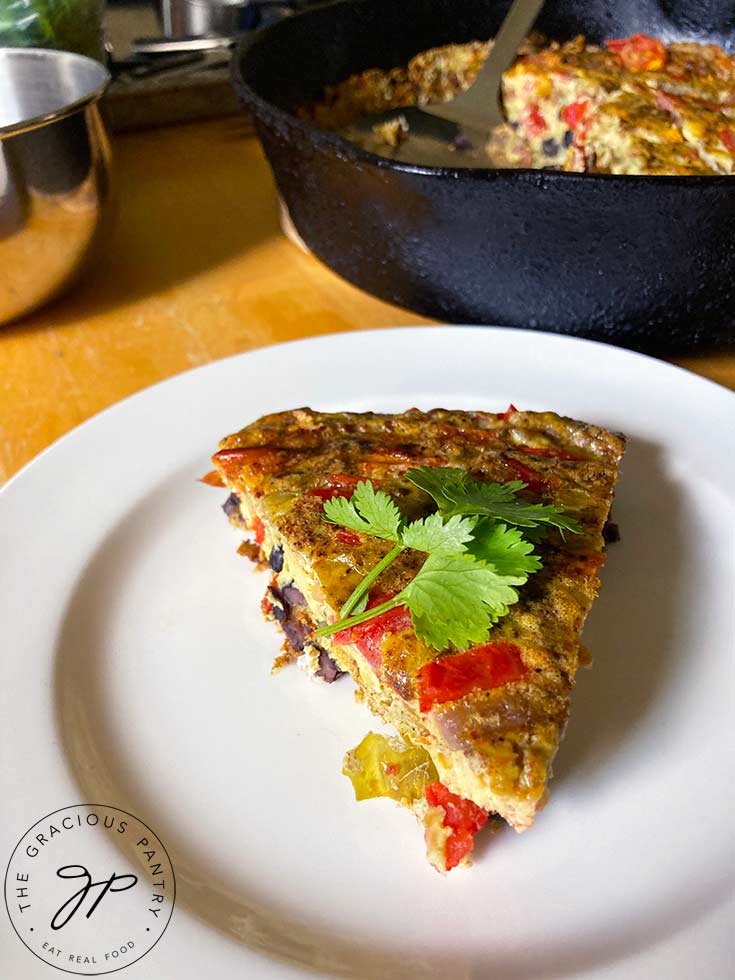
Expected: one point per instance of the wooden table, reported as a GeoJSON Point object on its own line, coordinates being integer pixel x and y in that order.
{"type": "Point", "coordinates": [194, 269]}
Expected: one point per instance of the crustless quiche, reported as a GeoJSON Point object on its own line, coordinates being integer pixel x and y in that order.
{"type": "Point", "coordinates": [629, 106]}
{"type": "Point", "coordinates": [446, 560]}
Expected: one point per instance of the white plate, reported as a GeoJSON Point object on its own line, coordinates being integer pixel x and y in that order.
{"type": "Point", "coordinates": [136, 673]}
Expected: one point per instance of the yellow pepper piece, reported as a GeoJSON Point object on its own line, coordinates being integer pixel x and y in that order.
{"type": "Point", "coordinates": [381, 766]}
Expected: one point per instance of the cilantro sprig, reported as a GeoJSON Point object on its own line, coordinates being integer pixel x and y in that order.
{"type": "Point", "coordinates": [455, 492]}
{"type": "Point", "coordinates": [477, 554]}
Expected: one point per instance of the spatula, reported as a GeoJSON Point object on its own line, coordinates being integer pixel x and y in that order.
{"type": "Point", "coordinates": [454, 134]}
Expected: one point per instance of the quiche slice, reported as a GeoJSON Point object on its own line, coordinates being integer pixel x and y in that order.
{"type": "Point", "coordinates": [605, 109]}
{"type": "Point", "coordinates": [481, 721]}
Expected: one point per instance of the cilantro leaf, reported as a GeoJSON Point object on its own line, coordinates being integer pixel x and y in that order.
{"type": "Point", "coordinates": [341, 511]}
{"type": "Point", "coordinates": [368, 510]}
{"type": "Point", "coordinates": [505, 549]}
{"type": "Point", "coordinates": [378, 509]}
{"type": "Point", "coordinates": [535, 534]}
{"type": "Point", "coordinates": [437, 537]}
{"type": "Point", "coordinates": [454, 600]}
{"type": "Point", "coordinates": [456, 493]}
{"type": "Point", "coordinates": [440, 482]}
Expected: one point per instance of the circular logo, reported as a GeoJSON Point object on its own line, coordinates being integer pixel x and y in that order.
{"type": "Point", "coordinates": [90, 889]}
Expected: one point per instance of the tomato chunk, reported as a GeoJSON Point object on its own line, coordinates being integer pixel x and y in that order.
{"type": "Point", "coordinates": [639, 52]}
{"type": "Point", "coordinates": [535, 122]}
{"type": "Point", "coordinates": [728, 139]}
{"type": "Point", "coordinates": [463, 817]}
{"type": "Point", "coordinates": [368, 637]}
{"type": "Point", "coordinates": [479, 669]}
{"type": "Point", "coordinates": [338, 485]}
{"type": "Point", "coordinates": [575, 114]}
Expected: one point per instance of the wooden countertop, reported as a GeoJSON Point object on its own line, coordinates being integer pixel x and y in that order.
{"type": "Point", "coordinates": [195, 268]}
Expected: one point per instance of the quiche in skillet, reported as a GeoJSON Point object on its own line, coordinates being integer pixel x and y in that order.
{"type": "Point", "coordinates": [628, 106]}
{"type": "Point", "coordinates": [446, 560]}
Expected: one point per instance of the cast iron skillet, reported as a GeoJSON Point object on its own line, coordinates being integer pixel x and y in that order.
{"type": "Point", "coordinates": [645, 262]}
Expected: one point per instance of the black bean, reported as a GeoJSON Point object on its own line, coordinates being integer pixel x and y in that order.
{"type": "Point", "coordinates": [279, 612]}
{"type": "Point", "coordinates": [568, 138]}
{"type": "Point", "coordinates": [328, 669]}
{"type": "Point", "coordinates": [231, 505]}
{"type": "Point", "coordinates": [292, 596]}
{"type": "Point", "coordinates": [275, 560]}
{"type": "Point", "coordinates": [295, 632]}
{"type": "Point", "coordinates": [550, 147]}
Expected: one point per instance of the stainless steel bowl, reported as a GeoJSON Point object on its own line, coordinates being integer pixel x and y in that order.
{"type": "Point", "coordinates": [54, 172]}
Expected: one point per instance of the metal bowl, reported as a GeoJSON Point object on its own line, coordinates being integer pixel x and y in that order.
{"type": "Point", "coordinates": [54, 167]}
{"type": "Point", "coordinates": [645, 262]}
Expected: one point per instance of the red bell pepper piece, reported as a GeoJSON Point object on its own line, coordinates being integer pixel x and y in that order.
{"type": "Point", "coordinates": [536, 484]}
{"type": "Point", "coordinates": [350, 538]}
{"type": "Point", "coordinates": [231, 461]}
{"type": "Point", "coordinates": [575, 114]}
{"type": "Point", "coordinates": [368, 636]}
{"type": "Point", "coordinates": [259, 530]}
{"type": "Point", "coordinates": [479, 669]}
{"type": "Point", "coordinates": [212, 479]}
{"type": "Point", "coordinates": [338, 485]}
{"type": "Point", "coordinates": [463, 817]}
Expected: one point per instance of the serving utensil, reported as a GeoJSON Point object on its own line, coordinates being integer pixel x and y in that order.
{"type": "Point", "coordinates": [455, 133]}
